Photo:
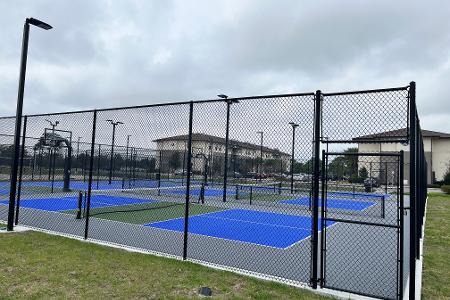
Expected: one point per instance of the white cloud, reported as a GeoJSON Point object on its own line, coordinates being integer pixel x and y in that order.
{"type": "Point", "coordinates": [117, 53]}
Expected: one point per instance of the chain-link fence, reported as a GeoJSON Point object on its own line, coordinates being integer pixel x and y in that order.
{"type": "Point", "coordinates": [238, 183]}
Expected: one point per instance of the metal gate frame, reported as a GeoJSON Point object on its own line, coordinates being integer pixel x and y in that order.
{"type": "Point", "coordinates": [400, 219]}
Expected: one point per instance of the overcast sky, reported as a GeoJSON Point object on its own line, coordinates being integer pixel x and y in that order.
{"type": "Point", "coordinates": [117, 53]}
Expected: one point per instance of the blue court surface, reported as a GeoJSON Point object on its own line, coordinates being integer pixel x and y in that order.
{"type": "Point", "coordinates": [345, 204]}
{"type": "Point", "coordinates": [256, 227]}
{"type": "Point", "coordinates": [70, 203]}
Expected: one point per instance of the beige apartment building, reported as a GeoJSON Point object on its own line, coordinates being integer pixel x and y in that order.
{"type": "Point", "coordinates": [436, 147]}
{"type": "Point", "coordinates": [214, 146]}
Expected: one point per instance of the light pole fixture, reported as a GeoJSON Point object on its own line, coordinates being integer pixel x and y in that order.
{"type": "Point", "coordinates": [111, 165]}
{"type": "Point", "coordinates": [294, 125]}
{"type": "Point", "coordinates": [18, 125]}
{"type": "Point", "coordinates": [53, 124]}
{"type": "Point", "coordinates": [227, 140]}
{"type": "Point", "coordinates": [261, 133]}
{"type": "Point", "coordinates": [52, 153]}
{"type": "Point", "coordinates": [205, 175]}
{"type": "Point", "coordinates": [234, 150]}
{"type": "Point", "coordinates": [126, 162]}
{"type": "Point", "coordinates": [78, 150]}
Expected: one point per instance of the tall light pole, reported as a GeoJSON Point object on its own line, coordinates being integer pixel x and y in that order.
{"type": "Point", "coordinates": [205, 175]}
{"type": "Point", "coordinates": [261, 154]}
{"type": "Point", "coordinates": [78, 150]}
{"type": "Point", "coordinates": [294, 125]}
{"type": "Point", "coordinates": [126, 161]}
{"type": "Point", "coordinates": [111, 164]}
{"type": "Point", "coordinates": [227, 139]}
{"type": "Point", "coordinates": [51, 151]}
{"type": "Point", "coordinates": [235, 147]}
{"type": "Point", "coordinates": [18, 125]}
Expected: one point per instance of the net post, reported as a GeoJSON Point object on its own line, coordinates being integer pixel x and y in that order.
{"type": "Point", "coordinates": [316, 178]}
{"type": "Point", "coordinates": [236, 196]}
{"type": "Point", "coordinates": [84, 204]}
{"type": "Point", "coordinates": [19, 188]}
{"type": "Point", "coordinates": [383, 206]}
{"type": "Point", "coordinates": [80, 200]}
{"type": "Point", "coordinates": [251, 194]}
{"type": "Point", "coordinates": [91, 164]}
{"type": "Point", "coordinates": [159, 172]}
{"type": "Point", "coordinates": [202, 193]}
{"type": "Point", "coordinates": [188, 182]}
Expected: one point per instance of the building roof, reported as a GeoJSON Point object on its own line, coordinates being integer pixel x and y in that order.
{"type": "Point", "coordinates": [399, 134]}
{"type": "Point", "coordinates": [201, 137]}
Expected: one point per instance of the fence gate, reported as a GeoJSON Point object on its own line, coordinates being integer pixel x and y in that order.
{"type": "Point", "coordinates": [362, 223]}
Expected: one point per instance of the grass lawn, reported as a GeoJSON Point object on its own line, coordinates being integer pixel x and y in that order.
{"type": "Point", "coordinates": [436, 265]}
{"type": "Point", "coordinates": [37, 265]}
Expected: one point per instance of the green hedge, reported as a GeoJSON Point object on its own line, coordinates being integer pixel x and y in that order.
{"type": "Point", "coordinates": [434, 186]}
{"type": "Point", "coordinates": [446, 189]}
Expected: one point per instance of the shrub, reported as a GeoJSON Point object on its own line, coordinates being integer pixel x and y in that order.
{"type": "Point", "coordinates": [446, 189]}
{"type": "Point", "coordinates": [447, 177]}
{"type": "Point", "coordinates": [434, 186]}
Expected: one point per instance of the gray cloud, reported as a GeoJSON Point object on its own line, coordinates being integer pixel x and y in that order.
{"type": "Point", "coordinates": [117, 53]}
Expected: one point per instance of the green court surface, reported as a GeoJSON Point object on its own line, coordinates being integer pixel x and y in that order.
{"type": "Point", "coordinates": [149, 212]}
{"type": "Point", "coordinates": [265, 196]}
{"type": "Point", "coordinates": [30, 189]}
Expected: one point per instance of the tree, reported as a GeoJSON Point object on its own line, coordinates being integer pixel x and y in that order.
{"type": "Point", "coordinates": [306, 167]}
{"type": "Point", "coordinates": [338, 168]}
{"type": "Point", "coordinates": [363, 174]}
{"type": "Point", "coordinates": [446, 180]}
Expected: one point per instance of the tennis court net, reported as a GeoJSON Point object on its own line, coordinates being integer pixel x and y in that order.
{"type": "Point", "coordinates": [111, 201]}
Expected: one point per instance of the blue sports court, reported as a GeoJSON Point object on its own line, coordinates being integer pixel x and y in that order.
{"type": "Point", "coordinates": [263, 228]}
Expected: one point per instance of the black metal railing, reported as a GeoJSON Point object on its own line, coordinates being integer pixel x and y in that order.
{"type": "Point", "coordinates": [237, 182]}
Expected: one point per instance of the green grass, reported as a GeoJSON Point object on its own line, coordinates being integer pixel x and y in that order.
{"type": "Point", "coordinates": [436, 265]}
{"type": "Point", "coordinates": [39, 266]}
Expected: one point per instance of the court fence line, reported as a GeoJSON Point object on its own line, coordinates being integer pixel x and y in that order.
{"type": "Point", "coordinates": [186, 141]}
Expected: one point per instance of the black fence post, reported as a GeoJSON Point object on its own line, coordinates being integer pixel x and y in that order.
{"type": "Point", "coordinates": [316, 178]}
{"type": "Point", "coordinates": [98, 163]}
{"type": "Point", "coordinates": [158, 183]}
{"type": "Point", "coordinates": [225, 163]}
{"type": "Point", "coordinates": [91, 165]}
{"type": "Point", "coordinates": [33, 165]}
{"type": "Point", "coordinates": [401, 221]}
{"type": "Point", "coordinates": [323, 226]}
{"type": "Point", "coordinates": [22, 153]}
{"type": "Point", "coordinates": [188, 182]}
{"type": "Point", "coordinates": [412, 188]}
{"type": "Point", "coordinates": [419, 184]}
